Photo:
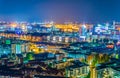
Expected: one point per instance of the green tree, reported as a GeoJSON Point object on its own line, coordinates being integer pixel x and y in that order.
{"type": "Point", "coordinates": [88, 76]}
{"type": "Point", "coordinates": [29, 56]}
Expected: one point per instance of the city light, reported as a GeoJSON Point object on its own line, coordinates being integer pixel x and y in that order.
{"type": "Point", "coordinates": [59, 39]}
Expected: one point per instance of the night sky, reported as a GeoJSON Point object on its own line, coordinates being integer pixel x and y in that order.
{"type": "Point", "coordinates": [91, 11]}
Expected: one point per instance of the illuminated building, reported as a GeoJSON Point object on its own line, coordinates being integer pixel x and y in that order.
{"type": "Point", "coordinates": [116, 33]}
{"type": "Point", "coordinates": [61, 39]}
{"type": "Point", "coordinates": [52, 48]}
{"type": "Point", "coordinates": [76, 55]}
{"type": "Point", "coordinates": [34, 48]}
{"type": "Point", "coordinates": [77, 70]}
{"type": "Point", "coordinates": [24, 28]}
{"type": "Point", "coordinates": [41, 76]}
{"type": "Point", "coordinates": [12, 26]}
{"type": "Point", "coordinates": [48, 38]}
{"type": "Point", "coordinates": [16, 48]}
{"type": "Point", "coordinates": [2, 28]}
{"type": "Point", "coordinates": [110, 31]}
{"type": "Point", "coordinates": [5, 50]}
{"type": "Point", "coordinates": [85, 32]}
{"type": "Point", "coordinates": [44, 56]}
{"type": "Point", "coordinates": [19, 48]}
{"type": "Point", "coordinates": [59, 56]}
{"type": "Point", "coordinates": [61, 64]}
{"type": "Point", "coordinates": [107, 72]}
{"type": "Point", "coordinates": [22, 37]}
{"type": "Point", "coordinates": [65, 27]}
{"type": "Point", "coordinates": [23, 48]}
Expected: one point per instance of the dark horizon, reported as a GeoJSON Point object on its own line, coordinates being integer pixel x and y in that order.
{"type": "Point", "coordinates": [90, 11]}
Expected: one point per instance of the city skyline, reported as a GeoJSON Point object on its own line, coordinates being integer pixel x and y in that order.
{"type": "Point", "coordinates": [59, 39]}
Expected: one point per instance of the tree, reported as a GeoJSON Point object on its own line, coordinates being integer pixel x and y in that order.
{"type": "Point", "coordinates": [29, 56]}
{"type": "Point", "coordinates": [106, 58]}
{"type": "Point", "coordinates": [88, 76]}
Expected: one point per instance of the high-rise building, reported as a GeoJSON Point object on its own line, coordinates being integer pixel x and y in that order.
{"type": "Point", "coordinates": [16, 48]}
